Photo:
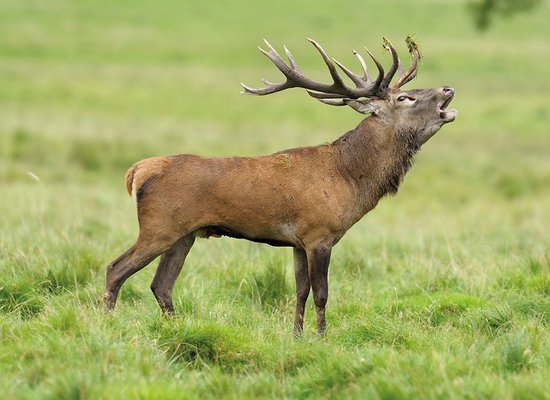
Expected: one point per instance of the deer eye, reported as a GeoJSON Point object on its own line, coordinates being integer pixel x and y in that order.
{"type": "Point", "coordinates": [403, 98]}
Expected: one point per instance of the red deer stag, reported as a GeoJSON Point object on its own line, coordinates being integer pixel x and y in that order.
{"type": "Point", "coordinates": [305, 198]}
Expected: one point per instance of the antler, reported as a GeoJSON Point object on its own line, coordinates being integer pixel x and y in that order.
{"type": "Point", "coordinates": [337, 92]}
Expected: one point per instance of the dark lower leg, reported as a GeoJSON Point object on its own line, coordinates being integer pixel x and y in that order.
{"type": "Point", "coordinates": [302, 288]}
{"type": "Point", "coordinates": [319, 260]}
{"type": "Point", "coordinates": [171, 263]}
{"type": "Point", "coordinates": [134, 259]}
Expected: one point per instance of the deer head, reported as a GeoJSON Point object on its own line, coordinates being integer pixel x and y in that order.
{"type": "Point", "coordinates": [415, 114]}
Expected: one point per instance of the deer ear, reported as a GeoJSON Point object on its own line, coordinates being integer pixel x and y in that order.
{"type": "Point", "coordinates": [364, 106]}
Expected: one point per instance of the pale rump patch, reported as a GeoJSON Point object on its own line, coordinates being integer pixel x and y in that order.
{"type": "Point", "coordinates": [144, 170]}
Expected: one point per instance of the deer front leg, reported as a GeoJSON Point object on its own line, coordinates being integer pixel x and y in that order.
{"type": "Point", "coordinates": [303, 286]}
{"type": "Point", "coordinates": [171, 263]}
{"type": "Point", "coordinates": [318, 262]}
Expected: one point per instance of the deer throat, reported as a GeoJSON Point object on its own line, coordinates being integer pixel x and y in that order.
{"type": "Point", "coordinates": [375, 162]}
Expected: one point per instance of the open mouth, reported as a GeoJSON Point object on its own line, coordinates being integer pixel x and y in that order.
{"type": "Point", "coordinates": [447, 114]}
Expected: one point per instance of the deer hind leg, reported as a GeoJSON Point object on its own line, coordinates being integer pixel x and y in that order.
{"type": "Point", "coordinates": [134, 259]}
{"type": "Point", "coordinates": [171, 263]}
{"type": "Point", "coordinates": [318, 262]}
{"type": "Point", "coordinates": [303, 286]}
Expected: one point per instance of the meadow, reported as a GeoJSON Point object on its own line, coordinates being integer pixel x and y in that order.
{"type": "Point", "coordinates": [440, 292]}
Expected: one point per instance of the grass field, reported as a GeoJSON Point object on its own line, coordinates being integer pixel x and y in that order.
{"type": "Point", "coordinates": [440, 292]}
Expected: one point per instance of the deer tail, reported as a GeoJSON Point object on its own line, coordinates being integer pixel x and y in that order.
{"type": "Point", "coordinates": [129, 178]}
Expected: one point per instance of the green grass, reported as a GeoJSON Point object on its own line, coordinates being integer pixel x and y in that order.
{"type": "Point", "coordinates": [440, 292]}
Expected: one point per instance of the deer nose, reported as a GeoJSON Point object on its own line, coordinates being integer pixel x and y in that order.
{"type": "Point", "coordinates": [448, 90]}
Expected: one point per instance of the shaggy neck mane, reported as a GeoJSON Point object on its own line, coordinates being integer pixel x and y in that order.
{"type": "Point", "coordinates": [375, 157]}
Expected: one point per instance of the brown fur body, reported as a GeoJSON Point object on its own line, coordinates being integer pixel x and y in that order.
{"type": "Point", "coordinates": [299, 197]}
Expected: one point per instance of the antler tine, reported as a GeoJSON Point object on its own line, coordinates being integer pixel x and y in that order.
{"type": "Point", "coordinates": [359, 82]}
{"type": "Point", "coordinates": [380, 69]}
{"type": "Point", "coordinates": [400, 70]}
{"type": "Point", "coordinates": [333, 102]}
{"type": "Point", "coordinates": [332, 69]}
{"type": "Point", "coordinates": [325, 95]}
{"type": "Point", "coordinates": [363, 65]}
{"type": "Point", "coordinates": [395, 63]}
{"type": "Point", "coordinates": [410, 73]}
{"type": "Point", "coordinates": [291, 59]}
{"type": "Point", "coordinates": [268, 89]}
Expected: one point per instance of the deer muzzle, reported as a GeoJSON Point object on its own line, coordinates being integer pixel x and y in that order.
{"type": "Point", "coordinates": [447, 115]}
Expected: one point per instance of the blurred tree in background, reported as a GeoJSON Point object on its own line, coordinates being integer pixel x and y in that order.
{"type": "Point", "coordinates": [485, 10]}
